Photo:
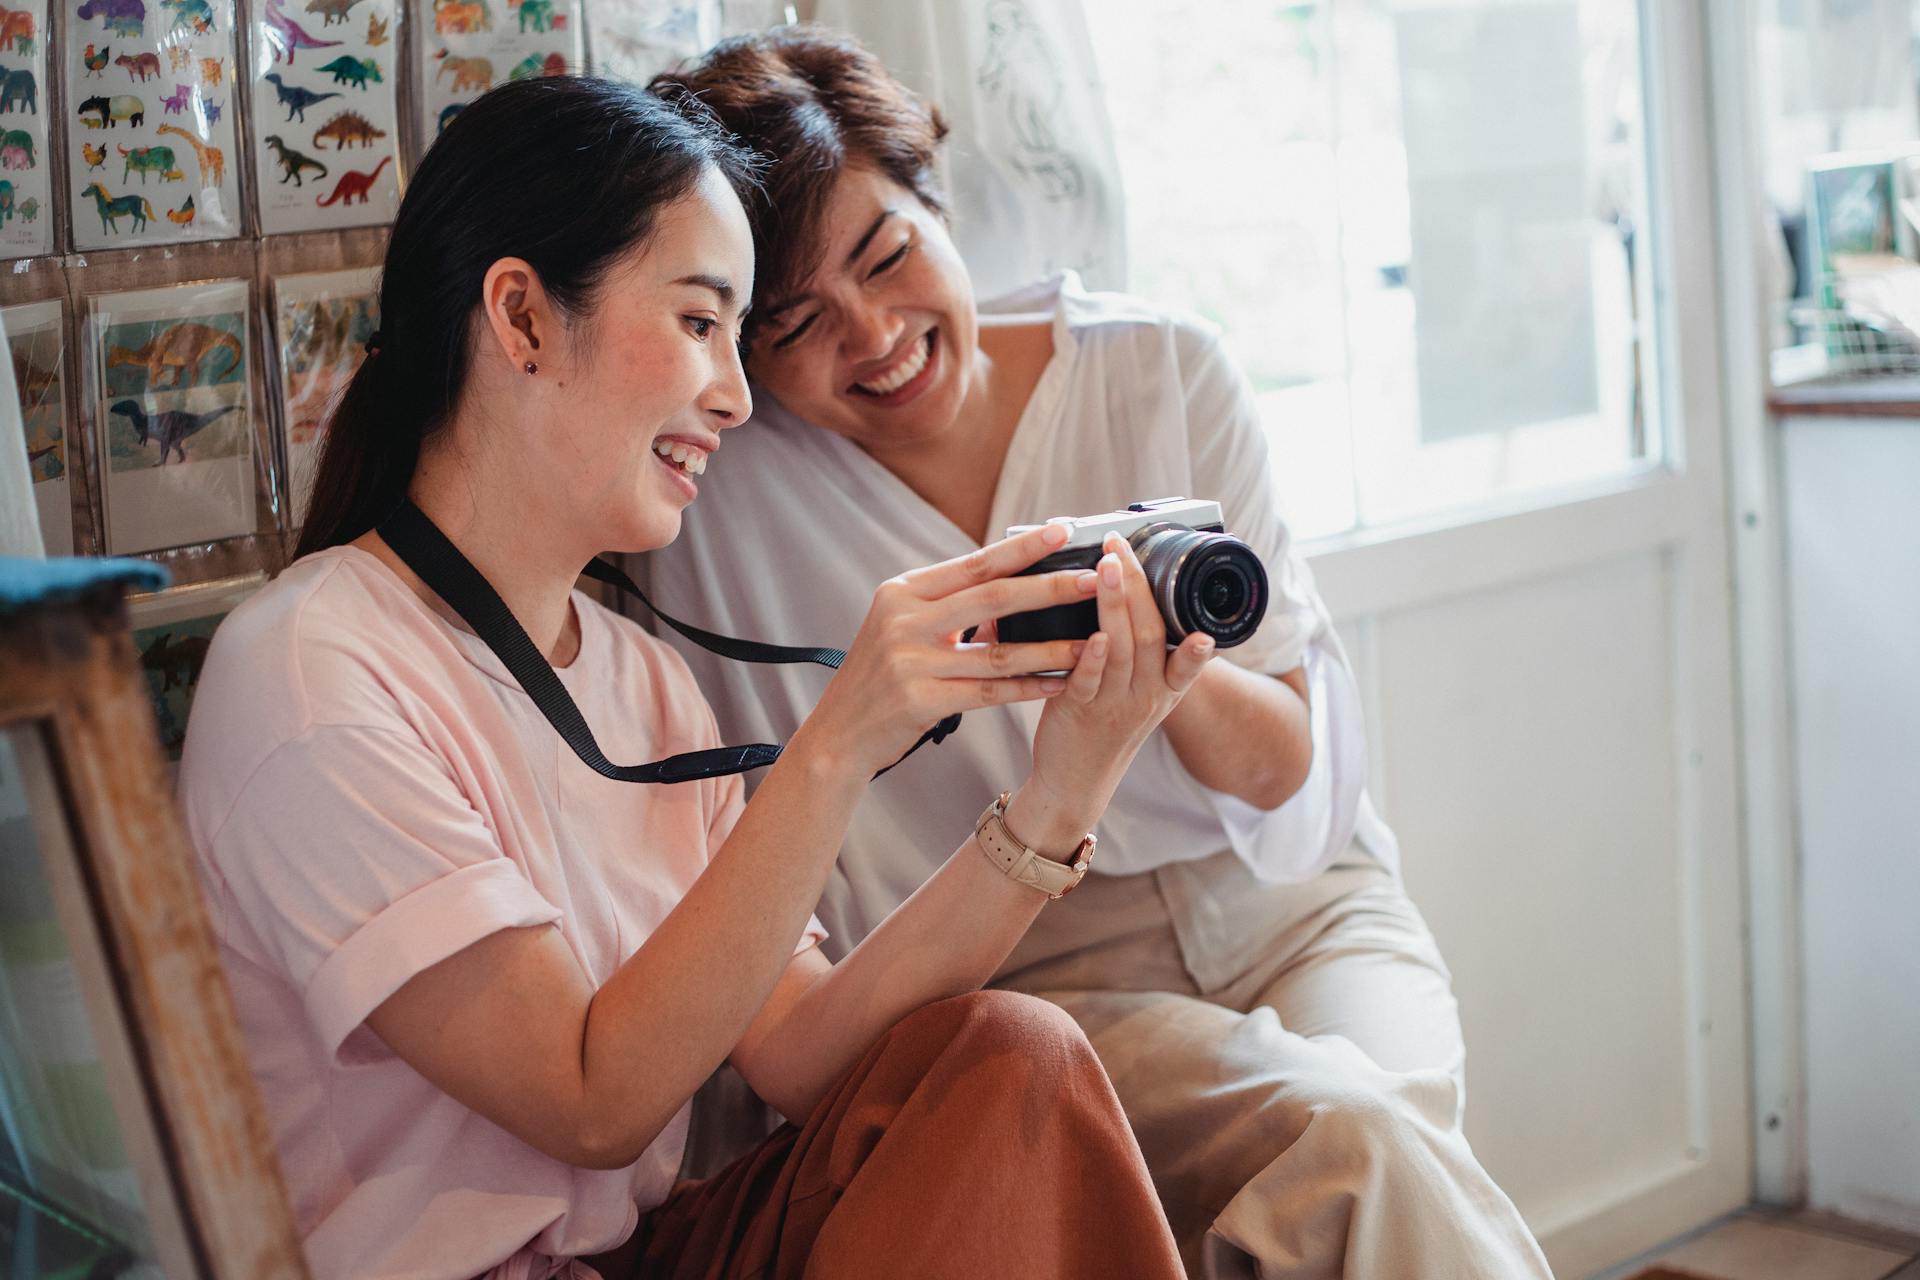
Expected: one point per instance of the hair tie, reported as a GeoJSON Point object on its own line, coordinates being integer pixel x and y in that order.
{"type": "Point", "coordinates": [374, 341]}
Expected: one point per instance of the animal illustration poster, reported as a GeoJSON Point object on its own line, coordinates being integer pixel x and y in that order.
{"type": "Point", "coordinates": [174, 413]}
{"type": "Point", "coordinates": [36, 339]}
{"type": "Point", "coordinates": [150, 90]}
{"type": "Point", "coordinates": [326, 115]}
{"type": "Point", "coordinates": [172, 631]}
{"type": "Point", "coordinates": [26, 170]}
{"type": "Point", "coordinates": [466, 47]}
{"type": "Point", "coordinates": [321, 323]}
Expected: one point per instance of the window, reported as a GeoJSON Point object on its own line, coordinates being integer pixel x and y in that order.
{"type": "Point", "coordinates": [1418, 224]}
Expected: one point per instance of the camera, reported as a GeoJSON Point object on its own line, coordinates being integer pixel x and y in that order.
{"type": "Point", "coordinates": [1202, 577]}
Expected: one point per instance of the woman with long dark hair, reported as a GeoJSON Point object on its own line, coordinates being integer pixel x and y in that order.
{"type": "Point", "coordinates": [1245, 959]}
{"type": "Point", "coordinates": [478, 977]}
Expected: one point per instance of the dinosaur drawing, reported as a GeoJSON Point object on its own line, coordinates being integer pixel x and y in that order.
{"type": "Point", "coordinates": [195, 13]}
{"type": "Point", "coordinates": [96, 62]}
{"type": "Point", "coordinates": [16, 149]}
{"type": "Point", "coordinates": [468, 73]}
{"type": "Point", "coordinates": [112, 208]}
{"type": "Point", "coordinates": [287, 36]}
{"type": "Point", "coordinates": [354, 71]}
{"type": "Point", "coordinates": [170, 427]}
{"type": "Point", "coordinates": [146, 160]}
{"type": "Point", "coordinates": [331, 11]}
{"type": "Point", "coordinates": [294, 98]}
{"type": "Point", "coordinates": [141, 67]}
{"type": "Point", "coordinates": [376, 31]}
{"type": "Point", "coordinates": [353, 183]}
{"type": "Point", "coordinates": [115, 109]}
{"type": "Point", "coordinates": [183, 216]}
{"type": "Point", "coordinates": [213, 162]}
{"type": "Point", "coordinates": [534, 65]}
{"type": "Point", "coordinates": [461, 17]}
{"type": "Point", "coordinates": [172, 357]}
{"type": "Point", "coordinates": [178, 101]}
{"type": "Point", "coordinates": [347, 129]}
{"type": "Point", "coordinates": [95, 156]}
{"type": "Point", "coordinates": [176, 662]}
{"type": "Point", "coordinates": [122, 17]}
{"type": "Point", "coordinates": [292, 161]}
{"type": "Point", "coordinates": [29, 209]}
{"type": "Point", "coordinates": [19, 86]}
{"type": "Point", "coordinates": [16, 30]}
{"type": "Point", "coordinates": [212, 70]}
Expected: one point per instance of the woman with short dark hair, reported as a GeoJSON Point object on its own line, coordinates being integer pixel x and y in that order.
{"type": "Point", "coordinates": [479, 975]}
{"type": "Point", "coordinates": [1273, 1010]}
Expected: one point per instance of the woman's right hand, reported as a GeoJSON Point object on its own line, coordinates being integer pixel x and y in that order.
{"type": "Point", "coordinates": [908, 668]}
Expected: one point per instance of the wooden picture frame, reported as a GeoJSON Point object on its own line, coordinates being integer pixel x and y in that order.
{"type": "Point", "coordinates": [85, 796]}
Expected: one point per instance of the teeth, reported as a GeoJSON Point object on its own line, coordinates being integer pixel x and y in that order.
{"type": "Point", "coordinates": [904, 372]}
{"type": "Point", "coordinates": [690, 458]}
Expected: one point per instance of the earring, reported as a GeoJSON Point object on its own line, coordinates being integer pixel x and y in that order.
{"type": "Point", "coordinates": [531, 367]}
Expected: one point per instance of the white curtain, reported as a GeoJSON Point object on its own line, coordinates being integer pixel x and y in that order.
{"type": "Point", "coordinates": [1030, 164]}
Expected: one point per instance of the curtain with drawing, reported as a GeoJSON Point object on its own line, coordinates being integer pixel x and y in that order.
{"type": "Point", "coordinates": [1030, 164]}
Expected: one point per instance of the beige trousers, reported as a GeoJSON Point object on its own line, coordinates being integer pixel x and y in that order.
{"type": "Point", "coordinates": [1290, 1059]}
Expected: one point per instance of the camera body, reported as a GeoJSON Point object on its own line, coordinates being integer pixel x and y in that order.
{"type": "Point", "coordinates": [1202, 577]}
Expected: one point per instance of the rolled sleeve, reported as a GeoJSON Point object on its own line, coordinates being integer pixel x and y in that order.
{"type": "Point", "coordinates": [437, 920]}
{"type": "Point", "coordinates": [358, 862]}
{"type": "Point", "coordinates": [1305, 835]}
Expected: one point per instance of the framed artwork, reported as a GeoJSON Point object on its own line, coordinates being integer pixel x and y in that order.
{"type": "Point", "coordinates": [174, 410]}
{"type": "Point", "coordinates": [172, 631]}
{"type": "Point", "coordinates": [322, 321]}
{"type": "Point", "coordinates": [466, 47]}
{"type": "Point", "coordinates": [26, 167]}
{"type": "Point", "coordinates": [150, 122]}
{"type": "Point", "coordinates": [326, 114]}
{"type": "Point", "coordinates": [37, 342]}
{"type": "Point", "coordinates": [132, 1141]}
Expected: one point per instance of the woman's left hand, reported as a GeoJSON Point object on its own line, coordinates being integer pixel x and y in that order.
{"type": "Point", "coordinates": [1122, 687]}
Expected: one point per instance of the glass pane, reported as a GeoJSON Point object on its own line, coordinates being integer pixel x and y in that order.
{"type": "Point", "coordinates": [1839, 123]}
{"type": "Point", "coordinates": [1416, 222]}
{"type": "Point", "coordinates": [70, 1200]}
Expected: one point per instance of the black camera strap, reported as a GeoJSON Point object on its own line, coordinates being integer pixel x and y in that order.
{"type": "Point", "coordinates": [423, 548]}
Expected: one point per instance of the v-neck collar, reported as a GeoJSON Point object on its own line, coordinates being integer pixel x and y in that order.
{"type": "Point", "coordinates": [1060, 292]}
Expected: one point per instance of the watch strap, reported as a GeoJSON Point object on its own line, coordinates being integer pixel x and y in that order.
{"type": "Point", "coordinates": [1025, 865]}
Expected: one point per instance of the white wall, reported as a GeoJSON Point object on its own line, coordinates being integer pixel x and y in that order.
{"type": "Point", "coordinates": [1852, 493]}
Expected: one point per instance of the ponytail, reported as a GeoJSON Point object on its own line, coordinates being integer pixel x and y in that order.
{"type": "Point", "coordinates": [566, 172]}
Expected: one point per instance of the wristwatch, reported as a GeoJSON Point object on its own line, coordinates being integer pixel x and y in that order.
{"type": "Point", "coordinates": [1027, 866]}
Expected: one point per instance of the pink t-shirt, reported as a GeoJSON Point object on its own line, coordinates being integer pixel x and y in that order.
{"type": "Point", "coordinates": [369, 792]}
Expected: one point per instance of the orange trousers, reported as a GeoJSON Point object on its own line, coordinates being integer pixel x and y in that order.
{"type": "Point", "coordinates": [978, 1138]}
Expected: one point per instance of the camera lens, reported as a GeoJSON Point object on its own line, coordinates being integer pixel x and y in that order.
{"type": "Point", "coordinates": [1224, 593]}
{"type": "Point", "coordinates": [1208, 582]}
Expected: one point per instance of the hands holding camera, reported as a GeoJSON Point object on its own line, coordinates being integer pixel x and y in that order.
{"type": "Point", "coordinates": [909, 667]}
{"type": "Point", "coordinates": [1124, 685]}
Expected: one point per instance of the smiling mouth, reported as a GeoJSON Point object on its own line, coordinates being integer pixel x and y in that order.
{"type": "Point", "coordinates": [685, 457]}
{"type": "Point", "coordinates": [909, 367]}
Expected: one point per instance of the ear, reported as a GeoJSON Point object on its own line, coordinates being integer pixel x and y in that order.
{"type": "Point", "coordinates": [518, 312]}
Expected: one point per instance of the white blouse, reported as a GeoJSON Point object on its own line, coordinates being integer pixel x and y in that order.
{"type": "Point", "coordinates": [796, 526]}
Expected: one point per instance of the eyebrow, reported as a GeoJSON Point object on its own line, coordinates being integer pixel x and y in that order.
{"type": "Point", "coordinates": [720, 285]}
{"type": "Point", "coordinates": [859, 247]}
